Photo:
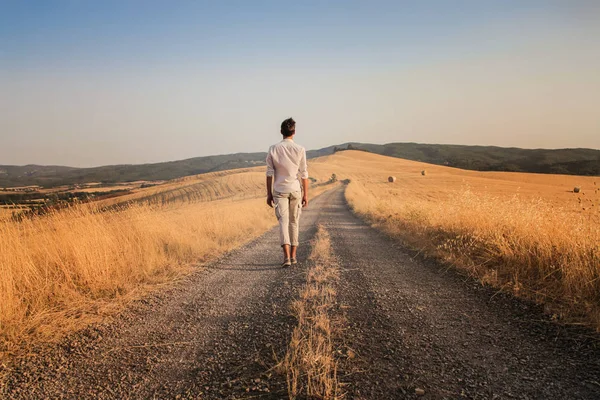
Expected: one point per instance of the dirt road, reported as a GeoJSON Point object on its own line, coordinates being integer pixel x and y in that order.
{"type": "Point", "coordinates": [412, 324]}
{"type": "Point", "coordinates": [415, 324]}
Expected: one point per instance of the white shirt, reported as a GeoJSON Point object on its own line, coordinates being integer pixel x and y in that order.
{"type": "Point", "coordinates": [286, 160]}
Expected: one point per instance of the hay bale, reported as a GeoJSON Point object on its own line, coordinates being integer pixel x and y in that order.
{"type": "Point", "coordinates": [392, 179]}
{"type": "Point", "coordinates": [576, 189]}
{"type": "Point", "coordinates": [423, 172]}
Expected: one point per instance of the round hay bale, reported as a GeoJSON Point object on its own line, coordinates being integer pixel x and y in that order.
{"type": "Point", "coordinates": [392, 179]}
{"type": "Point", "coordinates": [576, 189]}
{"type": "Point", "coordinates": [423, 172]}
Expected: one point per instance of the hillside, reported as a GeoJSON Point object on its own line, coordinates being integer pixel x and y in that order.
{"type": "Point", "coordinates": [480, 158]}
{"type": "Point", "coordinates": [49, 176]}
{"type": "Point", "coordinates": [492, 158]}
{"type": "Point", "coordinates": [443, 183]}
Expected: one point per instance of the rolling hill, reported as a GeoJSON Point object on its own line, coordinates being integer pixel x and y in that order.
{"type": "Point", "coordinates": [480, 158]}
{"type": "Point", "coordinates": [492, 158]}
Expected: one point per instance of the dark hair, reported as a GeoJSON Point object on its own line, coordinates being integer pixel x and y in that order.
{"type": "Point", "coordinates": [288, 127]}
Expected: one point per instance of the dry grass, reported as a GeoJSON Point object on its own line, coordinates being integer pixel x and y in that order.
{"type": "Point", "coordinates": [525, 233]}
{"type": "Point", "coordinates": [7, 213]}
{"type": "Point", "coordinates": [309, 364]}
{"type": "Point", "coordinates": [232, 184]}
{"type": "Point", "coordinates": [66, 269]}
{"type": "Point", "coordinates": [63, 270]}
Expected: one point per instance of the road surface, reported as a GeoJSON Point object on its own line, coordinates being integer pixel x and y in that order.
{"type": "Point", "coordinates": [410, 323]}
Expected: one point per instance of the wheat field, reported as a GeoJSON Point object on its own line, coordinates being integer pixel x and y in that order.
{"type": "Point", "coordinates": [70, 267]}
{"type": "Point", "coordinates": [5, 213]}
{"type": "Point", "coordinates": [525, 233]}
{"type": "Point", "coordinates": [231, 184]}
{"type": "Point", "coordinates": [66, 269]}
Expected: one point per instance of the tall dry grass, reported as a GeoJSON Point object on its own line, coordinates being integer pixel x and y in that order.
{"type": "Point", "coordinates": [231, 184]}
{"type": "Point", "coordinates": [62, 269]}
{"type": "Point", "coordinates": [532, 247]}
{"type": "Point", "coordinates": [526, 233]}
{"type": "Point", "coordinates": [310, 364]}
{"type": "Point", "coordinates": [5, 214]}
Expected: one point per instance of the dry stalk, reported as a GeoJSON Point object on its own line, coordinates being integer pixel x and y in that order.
{"type": "Point", "coordinates": [74, 266]}
{"type": "Point", "coordinates": [310, 364]}
{"type": "Point", "coordinates": [64, 270]}
{"type": "Point", "coordinates": [531, 247]}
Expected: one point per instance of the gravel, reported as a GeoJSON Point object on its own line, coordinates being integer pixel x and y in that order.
{"type": "Point", "coordinates": [215, 335]}
{"type": "Point", "coordinates": [420, 330]}
{"type": "Point", "coordinates": [412, 329]}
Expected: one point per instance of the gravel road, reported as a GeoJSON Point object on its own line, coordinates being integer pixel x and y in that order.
{"type": "Point", "coordinates": [414, 324]}
{"type": "Point", "coordinates": [215, 335]}
{"type": "Point", "coordinates": [409, 323]}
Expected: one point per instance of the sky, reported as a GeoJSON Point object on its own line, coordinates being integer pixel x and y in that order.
{"type": "Point", "coordinates": [86, 83]}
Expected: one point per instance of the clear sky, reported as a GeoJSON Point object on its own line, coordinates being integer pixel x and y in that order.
{"type": "Point", "coordinates": [87, 83]}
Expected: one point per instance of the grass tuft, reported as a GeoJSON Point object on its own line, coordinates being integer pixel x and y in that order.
{"type": "Point", "coordinates": [310, 364]}
{"type": "Point", "coordinates": [524, 245]}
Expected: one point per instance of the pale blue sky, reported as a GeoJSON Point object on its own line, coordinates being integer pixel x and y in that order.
{"type": "Point", "coordinates": [100, 82]}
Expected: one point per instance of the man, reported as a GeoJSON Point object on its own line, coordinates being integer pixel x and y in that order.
{"type": "Point", "coordinates": [286, 161]}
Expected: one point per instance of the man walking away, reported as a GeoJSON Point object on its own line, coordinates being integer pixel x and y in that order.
{"type": "Point", "coordinates": [286, 161]}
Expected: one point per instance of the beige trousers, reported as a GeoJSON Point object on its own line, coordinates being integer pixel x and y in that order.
{"type": "Point", "coordinates": [288, 207]}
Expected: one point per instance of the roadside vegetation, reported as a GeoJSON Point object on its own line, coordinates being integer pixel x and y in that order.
{"type": "Point", "coordinates": [71, 266]}
{"type": "Point", "coordinates": [310, 364]}
{"type": "Point", "coordinates": [7, 212]}
{"type": "Point", "coordinates": [528, 234]}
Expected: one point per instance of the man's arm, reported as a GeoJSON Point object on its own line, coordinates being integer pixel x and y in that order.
{"type": "Point", "coordinates": [304, 177]}
{"type": "Point", "coordinates": [270, 174]}
{"type": "Point", "coordinates": [270, 191]}
{"type": "Point", "coordinates": [304, 192]}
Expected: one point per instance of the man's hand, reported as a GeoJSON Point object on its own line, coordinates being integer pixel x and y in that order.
{"type": "Point", "coordinates": [270, 191]}
{"type": "Point", "coordinates": [304, 192]}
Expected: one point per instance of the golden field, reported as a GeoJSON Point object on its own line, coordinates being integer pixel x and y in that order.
{"type": "Point", "coordinates": [7, 212]}
{"type": "Point", "coordinates": [524, 233]}
{"type": "Point", "coordinates": [65, 269]}
{"type": "Point", "coordinates": [232, 184]}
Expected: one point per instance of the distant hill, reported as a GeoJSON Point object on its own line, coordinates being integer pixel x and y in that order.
{"type": "Point", "coordinates": [481, 158]}
{"type": "Point", "coordinates": [49, 176]}
{"type": "Point", "coordinates": [492, 158]}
